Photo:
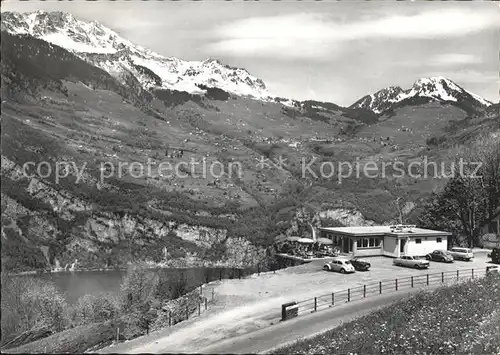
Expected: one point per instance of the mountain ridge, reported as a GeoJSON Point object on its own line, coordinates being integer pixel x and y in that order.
{"type": "Point", "coordinates": [436, 88]}
{"type": "Point", "coordinates": [107, 50]}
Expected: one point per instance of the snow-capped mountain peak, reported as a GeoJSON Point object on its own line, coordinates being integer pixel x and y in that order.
{"type": "Point", "coordinates": [436, 88]}
{"type": "Point", "coordinates": [106, 49]}
{"type": "Point", "coordinates": [444, 89]}
{"type": "Point", "coordinates": [64, 30]}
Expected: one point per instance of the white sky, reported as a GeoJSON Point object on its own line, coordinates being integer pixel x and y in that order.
{"type": "Point", "coordinates": [331, 51]}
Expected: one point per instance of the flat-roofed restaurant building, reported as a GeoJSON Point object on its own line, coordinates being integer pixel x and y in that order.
{"type": "Point", "coordinates": [392, 241]}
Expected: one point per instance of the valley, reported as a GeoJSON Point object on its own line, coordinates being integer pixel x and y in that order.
{"type": "Point", "coordinates": [98, 123]}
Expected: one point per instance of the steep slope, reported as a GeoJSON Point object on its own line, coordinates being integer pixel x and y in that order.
{"type": "Point", "coordinates": [438, 89]}
{"type": "Point", "coordinates": [104, 48]}
{"type": "Point", "coordinates": [59, 109]}
{"type": "Point", "coordinates": [30, 65]}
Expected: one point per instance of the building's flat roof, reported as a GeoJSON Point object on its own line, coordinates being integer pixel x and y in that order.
{"type": "Point", "coordinates": [381, 230]}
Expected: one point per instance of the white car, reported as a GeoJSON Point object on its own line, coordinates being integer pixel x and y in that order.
{"type": "Point", "coordinates": [341, 265]}
{"type": "Point", "coordinates": [462, 254]}
{"type": "Point", "coordinates": [411, 261]}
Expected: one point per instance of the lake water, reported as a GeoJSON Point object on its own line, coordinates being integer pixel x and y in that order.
{"type": "Point", "coordinates": [79, 283]}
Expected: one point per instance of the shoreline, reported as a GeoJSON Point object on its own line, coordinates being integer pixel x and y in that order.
{"type": "Point", "coordinates": [172, 264]}
{"type": "Point", "coordinates": [59, 271]}
{"type": "Point", "coordinates": [124, 269]}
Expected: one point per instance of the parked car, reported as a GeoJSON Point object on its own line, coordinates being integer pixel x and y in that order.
{"type": "Point", "coordinates": [360, 265]}
{"type": "Point", "coordinates": [495, 256]}
{"type": "Point", "coordinates": [411, 261]}
{"type": "Point", "coordinates": [440, 255]}
{"type": "Point", "coordinates": [340, 265]}
{"type": "Point", "coordinates": [462, 254]}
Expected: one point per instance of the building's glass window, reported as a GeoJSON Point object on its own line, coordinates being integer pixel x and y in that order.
{"type": "Point", "coordinates": [418, 241]}
{"type": "Point", "coordinates": [371, 242]}
{"type": "Point", "coordinates": [439, 240]}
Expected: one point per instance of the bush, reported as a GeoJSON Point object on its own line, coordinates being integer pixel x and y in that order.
{"type": "Point", "coordinates": [95, 308]}
{"type": "Point", "coordinates": [138, 289]}
{"type": "Point", "coordinates": [179, 286]}
{"type": "Point", "coordinates": [29, 303]}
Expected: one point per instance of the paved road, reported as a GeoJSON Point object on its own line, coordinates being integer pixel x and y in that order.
{"type": "Point", "coordinates": [265, 340]}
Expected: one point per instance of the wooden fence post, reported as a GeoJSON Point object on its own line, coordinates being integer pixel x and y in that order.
{"type": "Point", "coordinates": [187, 312]}
{"type": "Point", "coordinates": [427, 279]}
{"type": "Point", "coordinates": [206, 304]}
{"type": "Point", "coordinates": [396, 284]}
{"type": "Point", "coordinates": [199, 308]}
{"type": "Point", "coordinates": [380, 287]}
{"type": "Point", "coordinates": [412, 282]}
{"type": "Point", "coordinates": [473, 274]}
{"type": "Point", "coordinates": [118, 334]}
{"type": "Point", "coordinates": [213, 293]}
{"type": "Point", "coordinates": [364, 291]}
{"type": "Point", "coordinates": [315, 304]}
{"type": "Point", "coordinates": [348, 295]}
{"type": "Point", "coordinates": [333, 298]}
{"type": "Point", "coordinates": [442, 277]}
{"type": "Point", "coordinates": [169, 318]}
{"type": "Point", "coordinates": [457, 275]}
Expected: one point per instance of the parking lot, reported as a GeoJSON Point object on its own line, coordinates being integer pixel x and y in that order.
{"type": "Point", "coordinates": [310, 279]}
{"type": "Point", "coordinates": [255, 302]}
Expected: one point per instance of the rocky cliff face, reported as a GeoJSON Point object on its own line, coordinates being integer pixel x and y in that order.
{"type": "Point", "coordinates": [326, 216]}
{"type": "Point", "coordinates": [69, 231]}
